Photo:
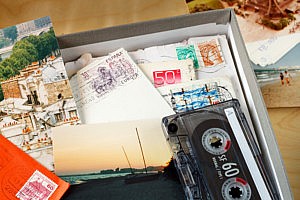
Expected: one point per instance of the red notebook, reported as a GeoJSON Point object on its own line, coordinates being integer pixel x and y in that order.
{"type": "Point", "coordinates": [21, 177]}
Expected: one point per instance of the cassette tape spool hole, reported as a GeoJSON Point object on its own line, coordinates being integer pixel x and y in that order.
{"type": "Point", "coordinates": [236, 189]}
{"type": "Point", "coordinates": [216, 141]}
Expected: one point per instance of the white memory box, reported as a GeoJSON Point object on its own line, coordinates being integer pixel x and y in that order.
{"type": "Point", "coordinates": [171, 30]}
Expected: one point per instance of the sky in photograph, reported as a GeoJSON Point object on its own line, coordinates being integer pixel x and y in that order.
{"type": "Point", "coordinates": [27, 29]}
{"type": "Point", "coordinates": [95, 147]}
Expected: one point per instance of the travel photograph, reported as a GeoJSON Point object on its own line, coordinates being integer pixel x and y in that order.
{"type": "Point", "coordinates": [35, 93]}
{"type": "Point", "coordinates": [116, 160]}
{"type": "Point", "coordinates": [271, 32]}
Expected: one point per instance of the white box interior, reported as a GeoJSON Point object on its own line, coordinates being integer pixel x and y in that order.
{"type": "Point", "coordinates": [254, 100]}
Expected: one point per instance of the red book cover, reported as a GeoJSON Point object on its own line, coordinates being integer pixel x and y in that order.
{"type": "Point", "coordinates": [21, 177]}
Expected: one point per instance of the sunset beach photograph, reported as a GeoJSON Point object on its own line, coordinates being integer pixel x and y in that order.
{"type": "Point", "coordinates": [116, 160]}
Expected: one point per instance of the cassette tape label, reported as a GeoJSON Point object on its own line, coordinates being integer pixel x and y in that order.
{"type": "Point", "coordinates": [230, 169]}
{"type": "Point", "coordinates": [242, 142]}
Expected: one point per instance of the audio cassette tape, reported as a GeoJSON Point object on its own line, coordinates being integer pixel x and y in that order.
{"type": "Point", "coordinates": [216, 155]}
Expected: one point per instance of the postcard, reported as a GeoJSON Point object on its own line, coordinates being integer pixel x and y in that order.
{"type": "Point", "coordinates": [116, 160]}
{"type": "Point", "coordinates": [279, 82]}
{"type": "Point", "coordinates": [24, 178]}
{"type": "Point", "coordinates": [271, 32]}
{"type": "Point", "coordinates": [35, 93]}
{"type": "Point", "coordinates": [115, 89]}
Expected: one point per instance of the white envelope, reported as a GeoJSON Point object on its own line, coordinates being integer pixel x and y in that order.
{"type": "Point", "coordinates": [122, 93]}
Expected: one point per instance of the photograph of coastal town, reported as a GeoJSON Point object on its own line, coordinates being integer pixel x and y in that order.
{"type": "Point", "coordinates": [35, 93]}
{"type": "Point", "coordinates": [271, 31]}
{"type": "Point", "coordinates": [117, 160]}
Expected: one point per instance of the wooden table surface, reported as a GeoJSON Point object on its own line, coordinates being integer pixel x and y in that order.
{"type": "Point", "coordinates": [69, 16]}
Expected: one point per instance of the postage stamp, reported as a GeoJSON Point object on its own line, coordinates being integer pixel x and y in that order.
{"type": "Point", "coordinates": [101, 77]}
{"type": "Point", "coordinates": [185, 52]}
{"type": "Point", "coordinates": [37, 187]}
{"type": "Point", "coordinates": [169, 72]}
{"type": "Point", "coordinates": [197, 94]}
{"type": "Point", "coordinates": [211, 53]}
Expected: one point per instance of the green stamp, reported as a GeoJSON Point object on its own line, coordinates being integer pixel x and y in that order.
{"type": "Point", "coordinates": [186, 52]}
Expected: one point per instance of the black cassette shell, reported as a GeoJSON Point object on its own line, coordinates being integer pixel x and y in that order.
{"type": "Point", "coordinates": [218, 155]}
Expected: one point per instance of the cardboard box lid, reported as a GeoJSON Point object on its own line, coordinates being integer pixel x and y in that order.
{"type": "Point", "coordinates": [142, 28]}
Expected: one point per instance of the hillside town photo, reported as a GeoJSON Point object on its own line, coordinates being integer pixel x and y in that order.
{"type": "Point", "coordinates": [35, 93]}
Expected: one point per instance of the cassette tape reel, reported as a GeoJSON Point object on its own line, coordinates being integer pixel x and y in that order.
{"type": "Point", "coordinates": [215, 154]}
